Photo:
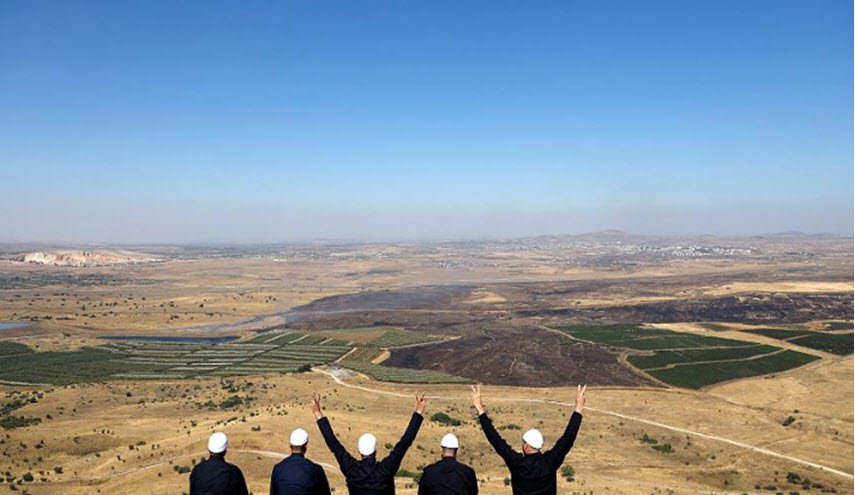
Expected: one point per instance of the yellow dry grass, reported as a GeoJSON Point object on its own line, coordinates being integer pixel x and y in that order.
{"type": "Point", "coordinates": [787, 287]}
{"type": "Point", "coordinates": [94, 426]}
{"type": "Point", "coordinates": [484, 297]}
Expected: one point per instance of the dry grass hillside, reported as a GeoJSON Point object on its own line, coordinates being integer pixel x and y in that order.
{"type": "Point", "coordinates": [132, 438]}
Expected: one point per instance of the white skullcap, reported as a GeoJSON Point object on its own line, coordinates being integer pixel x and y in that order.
{"type": "Point", "coordinates": [367, 444]}
{"type": "Point", "coordinates": [299, 437]}
{"type": "Point", "coordinates": [449, 441]}
{"type": "Point", "coordinates": [218, 443]}
{"type": "Point", "coordinates": [533, 438]}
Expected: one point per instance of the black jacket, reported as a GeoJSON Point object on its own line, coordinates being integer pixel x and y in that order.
{"type": "Point", "coordinates": [215, 476]}
{"type": "Point", "coordinates": [296, 475]}
{"type": "Point", "coordinates": [368, 476]}
{"type": "Point", "coordinates": [533, 474]}
{"type": "Point", "coordinates": [448, 477]}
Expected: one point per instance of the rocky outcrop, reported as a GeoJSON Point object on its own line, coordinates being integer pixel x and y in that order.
{"type": "Point", "coordinates": [86, 258]}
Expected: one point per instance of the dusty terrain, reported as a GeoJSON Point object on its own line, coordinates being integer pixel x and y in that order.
{"type": "Point", "coordinates": [493, 306]}
{"type": "Point", "coordinates": [94, 427]}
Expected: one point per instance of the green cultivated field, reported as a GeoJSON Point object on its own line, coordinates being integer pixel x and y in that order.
{"type": "Point", "coordinates": [364, 354]}
{"type": "Point", "coordinates": [662, 359]}
{"type": "Point", "coordinates": [839, 325]}
{"type": "Point", "coordinates": [398, 337]}
{"type": "Point", "coordinates": [271, 352]}
{"type": "Point", "coordinates": [693, 361]}
{"type": "Point", "coordinates": [11, 348]}
{"type": "Point", "coordinates": [779, 333]}
{"type": "Point", "coordinates": [62, 368]}
{"type": "Point", "coordinates": [700, 375]}
{"type": "Point", "coordinates": [165, 360]}
{"type": "Point", "coordinates": [275, 351]}
{"type": "Point", "coordinates": [636, 337]}
{"type": "Point", "coordinates": [835, 343]}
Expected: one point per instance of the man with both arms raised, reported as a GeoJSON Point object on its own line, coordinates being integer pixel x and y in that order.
{"type": "Point", "coordinates": [368, 476]}
{"type": "Point", "coordinates": [532, 472]}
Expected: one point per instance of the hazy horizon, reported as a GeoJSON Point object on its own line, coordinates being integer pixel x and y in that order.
{"type": "Point", "coordinates": [212, 123]}
{"type": "Point", "coordinates": [71, 244]}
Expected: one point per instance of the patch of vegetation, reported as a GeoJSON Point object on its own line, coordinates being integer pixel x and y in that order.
{"type": "Point", "coordinates": [11, 422]}
{"type": "Point", "coordinates": [699, 375]}
{"type": "Point", "coordinates": [364, 354]}
{"type": "Point", "coordinates": [445, 419]}
{"type": "Point", "coordinates": [164, 360]}
{"type": "Point", "coordinates": [689, 360]}
{"type": "Point", "coordinates": [648, 439]}
{"type": "Point", "coordinates": [790, 420]}
{"type": "Point", "coordinates": [401, 375]}
{"type": "Point", "coordinates": [642, 338]}
{"type": "Point", "coordinates": [234, 401]}
{"type": "Point", "coordinates": [839, 325]}
{"type": "Point", "coordinates": [568, 473]}
{"type": "Point", "coordinates": [835, 343]}
{"type": "Point", "coordinates": [403, 473]}
{"type": "Point", "coordinates": [398, 337]}
{"type": "Point", "coordinates": [716, 327]}
{"type": "Point", "coordinates": [14, 405]}
{"type": "Point", "coordinates": [33, 280]}
{"type": "Point", "coordinates": [62, 368]}
{"type": "Point", "coordinates": [807, 484]}
{"type": "Point", "coordinates": [779, 333]}
{"type": "Point", "coordinates": [11, 348]}
{"type": "Point", "coordinates": [665, 448]}
{"type": "Point", "coordinates": [664, 358]}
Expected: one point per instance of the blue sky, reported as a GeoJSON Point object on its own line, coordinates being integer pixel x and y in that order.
{"type": "Point", "coordinates": [276, 121]}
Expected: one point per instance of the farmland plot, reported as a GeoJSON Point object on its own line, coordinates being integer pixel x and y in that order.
{"type": "Point", "coordinates": [835, 343]}
{"type": "Point", "coordinates": [285, 352]}
{"type": "Point", "coordinates": [690, 360]}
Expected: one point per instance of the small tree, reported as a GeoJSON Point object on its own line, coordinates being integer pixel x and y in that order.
{"type": "Point", "coordinates": [568, 473]}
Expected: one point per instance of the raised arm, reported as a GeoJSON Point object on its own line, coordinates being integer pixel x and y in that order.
{"type": "Point", "coordinates": [393, 461]}
{"type": "Point", "coordinates": [345, 460]}
{"type": "Point", "coordinates": [499, 444]}
{"type": "Point", "coordinates": [557, 454]}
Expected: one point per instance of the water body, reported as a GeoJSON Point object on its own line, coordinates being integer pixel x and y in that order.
{"type": "Point", "coordinates": [166, 338]}
{"type": "Point", "coordinates": [12, 325]}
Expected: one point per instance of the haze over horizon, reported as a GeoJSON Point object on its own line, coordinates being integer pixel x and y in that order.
{"type": "Point", "coordinates": [174, 123]}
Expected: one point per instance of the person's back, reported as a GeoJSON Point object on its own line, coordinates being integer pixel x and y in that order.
{"type": "Point", "coordinates": [532, 472]}
{"type": "Point", "coordinates": [368, 476]}
{"type": "Point", "coordinates": [448, 476]}
{"type": "Point", "coordinates": [215, 476]}
{"type": "Point", "coordinates": [296, 475]}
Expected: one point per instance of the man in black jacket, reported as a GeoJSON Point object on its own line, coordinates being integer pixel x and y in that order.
{"type": "Point", "coordinates": [448, 477]}
{"type": "Point", "coordinates": [215, 476]}
{"type": "Point", "coordinates": [532, 471]}
{"type": "Point", "coordinates": [368, 476]}
{"type": "Point", "coordinates": [296, 475]}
